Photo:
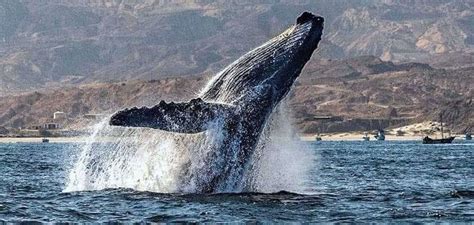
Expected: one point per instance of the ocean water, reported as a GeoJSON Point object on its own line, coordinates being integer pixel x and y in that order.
{"type": "Point", "coordinates": [347, 182]}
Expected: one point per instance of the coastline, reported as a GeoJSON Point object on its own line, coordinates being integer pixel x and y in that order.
{"type": "Point", "coordinates": [357, 136]}
{"type": "Point", "coordinates": [10, 140]}
{"type": "Point", "coordinates": [304, 137]}
{"type": "Point", "coordinates": [344, 136]}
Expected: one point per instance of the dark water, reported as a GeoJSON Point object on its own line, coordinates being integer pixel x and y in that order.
{"type": "Point", "coordinates": [350, 182]}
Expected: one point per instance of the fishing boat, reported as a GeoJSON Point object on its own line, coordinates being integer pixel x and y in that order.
{"type": "Point", "coordinates": [380, 136]}
{"type": "Point", "coordinates": [366, 137]}
{"type": "Point", "coordinates": [468, 137]}
{"type": "Point", "coordinates": [448, 140]}
{"type": "Point", "coordinates": [428, 140]}
{"type": "Point", "coordinates": [318, 138]}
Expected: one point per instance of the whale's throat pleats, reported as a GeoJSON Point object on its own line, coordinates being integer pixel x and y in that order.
{"type": "Point", "coordinates": [187, 117]}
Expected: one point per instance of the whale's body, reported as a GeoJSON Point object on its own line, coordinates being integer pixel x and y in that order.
{"type": "Point", "coordinates": [237, 102]}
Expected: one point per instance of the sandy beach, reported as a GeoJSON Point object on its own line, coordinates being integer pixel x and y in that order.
{"type": "Point", "coordinates": [412, 132]}
{"type": "Point", "coordinates": [307, 137]}
{"type": "Point", "coordinates": [39, 140]}
{"type": "Point", "coordinates": [357, 136]}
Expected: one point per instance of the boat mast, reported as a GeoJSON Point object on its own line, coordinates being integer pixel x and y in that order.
{"type": "Point", "coordinates": [441, 119]}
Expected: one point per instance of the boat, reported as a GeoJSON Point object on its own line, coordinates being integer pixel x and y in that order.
{"type": "Point", "coordinates": [45, 140]}
{"type": "Point", "coordinates": [318, 138]}
{"type": "Point", "coordinates": [380, 136]}
{"type": "Point", "coordinates": [443, 140]}
{"type": "Point", "coordinates": [366, 137]}
{"type": "Point", "coordinates": [428, 140]}
{"type": "Point", "coordinates": [468, 137]}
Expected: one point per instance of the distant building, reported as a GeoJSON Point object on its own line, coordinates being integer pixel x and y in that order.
{"type": "Point", "coordinates": [35, 127]}
{"type": "Point", "coordinates": [94, 116]}
{"type": "Point", "coordinates": [59, 115]}
{"type": "Point", "coordinates": [51, 126]}
{"type": "Point", "coordinates": [329, 118]}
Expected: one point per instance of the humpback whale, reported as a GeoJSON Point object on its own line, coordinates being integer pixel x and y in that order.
{"type": "Point", "coordinates": [237, 102]}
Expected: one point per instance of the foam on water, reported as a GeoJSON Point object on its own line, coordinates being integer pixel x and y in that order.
{"type": "Point", "coordinates": [152, 160]}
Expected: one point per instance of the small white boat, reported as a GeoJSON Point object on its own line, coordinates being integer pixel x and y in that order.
{"type": "Point", "coordinates": [380, 136]}
{"type": "Point", "coordinates": [366, 137]}
{"type": "Point", "coordinates": [318, 137]}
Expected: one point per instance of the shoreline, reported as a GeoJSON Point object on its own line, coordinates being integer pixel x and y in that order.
{"type": "Point", "coordinates": [305, 137]}
{"type": "Point", "coordinates": [12, 140]}
{"type": "Point", "coordinates": [358, 137]}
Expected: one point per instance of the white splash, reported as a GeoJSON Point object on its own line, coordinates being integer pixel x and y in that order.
{"type": "Point", "coordinates": [283, 161]}
{"type": "Point", "coordinates": [140, 159]}
{"type": "Point", "coordinates": [157, 161]}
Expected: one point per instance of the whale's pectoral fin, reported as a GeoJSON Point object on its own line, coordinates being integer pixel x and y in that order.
{"type": "Point", "coordinates": [187, 117]}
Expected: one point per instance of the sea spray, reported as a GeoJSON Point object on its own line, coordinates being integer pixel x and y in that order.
{"type": "Point", "coordinates": [144, 159]}
{"type": "Point", "coordinates": [140, 159]}
{"type": "Point", "coordinates": [282, 161]}
{"type": "Point", "coordinates": [153, 160]}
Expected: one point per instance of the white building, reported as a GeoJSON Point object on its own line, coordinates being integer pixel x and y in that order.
{"type": "Point", "coordinates": [59, 115]}
{"type": "Point", "coordinates": [51, 126]}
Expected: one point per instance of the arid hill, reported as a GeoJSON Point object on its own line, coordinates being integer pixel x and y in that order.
{"type": "Point", "coordinates": [368, 88]}
{"type": "Point", "coordinates": [61, 42]}
{"type": "Point", "coordinates": [365, 91]}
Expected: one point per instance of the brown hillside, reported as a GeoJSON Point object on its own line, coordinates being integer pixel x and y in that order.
{"type": "Point", "coordinates": [359, 88]}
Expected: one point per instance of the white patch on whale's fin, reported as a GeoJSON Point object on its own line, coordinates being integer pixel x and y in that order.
{"type": "Point", "coordinates": [187, 117]}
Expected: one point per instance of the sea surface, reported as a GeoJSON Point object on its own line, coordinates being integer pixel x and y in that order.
{"type": "Point", "coordinates": [349, 182]}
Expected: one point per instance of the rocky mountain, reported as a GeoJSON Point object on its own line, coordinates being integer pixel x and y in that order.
{"type": "Point", "coordinates": [57, 43]}
{"type": "Point", "coordinates": [369, 88]}
{"type": "Point", "coordinates": [365, 92]}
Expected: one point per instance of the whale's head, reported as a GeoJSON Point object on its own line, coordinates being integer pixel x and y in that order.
{"type": "Point", "coordinates": [276, 63]}
{"type": "Point", "coordinates": [310, 27]}
{"type": "Point", "coordinates": [294, 49]}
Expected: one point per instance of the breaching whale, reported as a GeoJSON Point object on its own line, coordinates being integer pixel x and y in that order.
{"type": "Point", "coordinates": [238, 101]}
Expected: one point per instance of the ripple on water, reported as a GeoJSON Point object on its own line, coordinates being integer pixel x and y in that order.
{"type": "Point", "coordinates": [349, 182]}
